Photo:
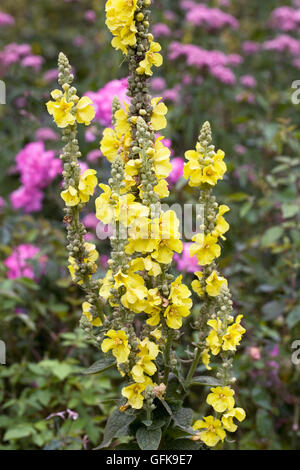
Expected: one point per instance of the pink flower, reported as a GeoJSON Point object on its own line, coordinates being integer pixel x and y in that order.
{"type": "Point", "coordinates": [6, 19]}
{"type": "Point", "coordinates": [33, 61]}
{"type": "Point", "coordinates": [283, 43]}
{"type": "Point", "coordinates": [46, 133]}
{"type": "Point", "coordinates": [161, 30]}
{"type": "Point", "coordinates": [177, 171]}
{"type": "Point", "coordinates": [250, 47]}
{"type": "Point", "coordinates": [103, 98]}
{"type": "Point", "coordinates": [51, 75]}
{"type": "Point", "coordinates": [248, 81]}
{"type": "Point", "coordinates": [90, 221]}
{"type": "Point", "coordinates": [17, 262]}
{"type": "Point", "coordinates": [211, 18]}
{"type": "Point", "coordinates": [158, 84]}
{"type": "Point", "coordinates": [254, 353]}
{"type": "Point", "coordinates": [90, 15]}
{"type": "Point", "coordinates": [93, 155]}
{"type": "Point", "coordinates": [185, 262]}
{"type": "Point", "coordinates": [28, 199]}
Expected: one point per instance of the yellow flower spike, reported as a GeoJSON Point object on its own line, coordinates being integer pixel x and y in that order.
{"type": "Point", "coordinates": [152, 57]}
{"type": "Point", "coordinates": [86, 308]}
{"type": "Point", "coordinates": [180, 293]}
{"type": "Point", "coordinates": [212, 431]}
{"type": "Point", "coordinates": [221, 399]}
{"type": "Point", "coordinates": [205, 248]}
{"type": "Point", "coordinates": [134, 393]}
{"type": "Point", "coordinates": [70, 196]}
{"type": "Point", "coordinates": [61, 110]}
{"type": "Point", "coordinates": [214, 284]}
{"type": "Point", "coordinates": [158, 120]}
{"type": "Point", "coordinates": [118, 342]}
{"type": "Point", "coordinates": [227, 418]}
{"type": "Point", "coordinates": [122, 125]}
{"type": "Point", "coordinates": [161, 159]}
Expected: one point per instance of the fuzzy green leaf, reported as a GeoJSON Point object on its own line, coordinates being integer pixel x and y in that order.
{"type": "Point", "coordinates": [148, 439]}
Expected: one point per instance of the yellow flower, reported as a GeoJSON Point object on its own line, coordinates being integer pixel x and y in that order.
{"type": "Point", "coordinates": [180, 293]}
{"type": "Point", "coordinates": [106, 285]}
{"type": "Point", "coordinates": [134, 393]}
{"type": "Point", "coordinates": [210, 175]}
{"type": "Point", "coordinates": [174, 315]}
{"type": "Point", "coordinates": [87, 183]}
{"type": "Point", "coordinates": [221, 226]}
{"type": "Point", "coordinates": [205, 357]}
{"type": "Point", "coordinates": [233, 335]}
{"type": "Point", "coordinates": [214, 284]}
{"type": "Point", "coordinates": [110, 144]}
{"type": "Point", "coordinates": [148, 353]}
{"type": "Point", "coordinates": [85, 111]}
{"type": "Point", "coordinates": [104, 208]}
{"type": "Point", "coordinates": [158, 120]}
{"type": "Point", "coordinates": [227, 418]}
{"type": "Point", "coordinates": [86, 311]}
{"type": "Point", "coordinates": [152, 57]}
{"type": "Point", "coordinates": [213, 431]}
{"type": "Point", "coordinates": [156, 334]}
{"type": "Point", "coordinates": [142, 264]}
{"type": "Point", "coordinates": [206, 248]}
{"type": "Point", "coordinates": [169, 236]}
{"type": "Point", "coordinates": [219, 164]}
{"type": "Point", "coordinates": [122, 125]}
{"type": "Point", "coordinates": [153, 307]}
{"type": "Point", "coordinates": [214, 340]}
{"type": "Point", "coordinates": [143, 236]}
{"type": "Point", "coordinates": [70, 196]}
{"type": "Point", "coordinates": [93, 254]}
{"type": "Point", "coordinates": [60, 109]}
{"type": "Point", "coordinates": [161, 160]}
{"type": "Point", "coordinates": [221, 399]}
{"type": "Point", "coordinates": [136, 291]}
{"type": "Point", "coordinates": [197, 285]}
{"type": "Point", "coordinates": [120, 21]}
{"type": "Point", "coordinates": [192, 170]}
{"type": "Point", "coordinates": [162, 189]}
{"type": "Point", "coordinates": [118, 342]}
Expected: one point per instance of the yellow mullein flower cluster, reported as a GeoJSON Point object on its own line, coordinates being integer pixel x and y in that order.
{"type": "Point", "coordinates": [219, 333]}
{"type": "Point", "coordinates": [134, 313]}
{"type": "Point", "coordinates": [120, 20]}
{"type": "Point", "coordinates": [68, 110]}
{"type": "Point", "coordinates": [212, 430]}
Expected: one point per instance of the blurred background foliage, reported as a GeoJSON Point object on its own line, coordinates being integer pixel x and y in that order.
{"type": "Point", "coordinates": [257, 126]}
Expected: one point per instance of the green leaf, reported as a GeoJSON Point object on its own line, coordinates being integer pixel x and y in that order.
{"type": "Point", "coordinates": [115, 423]}
{"type": "Point", "coordinates": [272, 309]}
{"type": "Point", "coordinates": [100, 366]}
{"type": "Point", "coordinates": [148, 439]}
{"type": "Point", "coordinates": [293, 317]}
{"type": "Point", "coordinates": [264, 423]}
{"type": "Point", "coordinates": [290, 210]}
{"type": "Point", "coordinates": [271, 236]}
{"type": "Point", "coordinates": [183, 417]}
{"type": "Point", "coordinates": [19, 431]}
{"type": "Point", "coordinates": [206, 380]}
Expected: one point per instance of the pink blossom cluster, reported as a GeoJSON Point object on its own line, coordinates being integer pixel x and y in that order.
{"type": "Point", "coordinates": [211, 18]}
{"type": "Point", "coordinates": [215, 61]}
{"type": "Point", "coordinates": [103, 98]}
{"type": "Point", "coordinates": [18, 265]}
{"type": "Point", "coordinates": [283, 43]}
{"type": "Point", "coordinates": [177, 170]}
{"type": "Point", "coordinates": [6, 19]}
{"type": "Point", "coordinates": [19, 53]}
{"type": "Point", "coordinates": [37, 167]}
{"type": "Point", "coordinates": [161, 30]}
{"type": "Point", "coordinates": [285, 18]}
{"type": "Point", "coordinates": [185, 262]}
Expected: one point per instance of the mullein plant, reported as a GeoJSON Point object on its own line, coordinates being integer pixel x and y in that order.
{"type": "Point", "coordinates": [135, 313]}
